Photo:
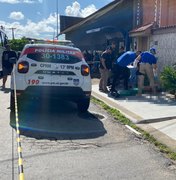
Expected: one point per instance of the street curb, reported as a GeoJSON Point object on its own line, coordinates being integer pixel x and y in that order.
{"type": "Point", "coordinates": [155, 120]}
{"type": "Point", "coordinates": [140, 122]}
{"type": "Point", "coordinates": [130, 115]}
{"type": "Point", "coordinates": [161, 137]}
{"type": "Point", "coordinates": [133, 130]}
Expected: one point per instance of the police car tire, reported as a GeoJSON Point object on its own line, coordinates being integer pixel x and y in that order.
{"type": "Point", "coordinates": [12, 103]}
{"type": "Point", "coordinates": [83, 105]}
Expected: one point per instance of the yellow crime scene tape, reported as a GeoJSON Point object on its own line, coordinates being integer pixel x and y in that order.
{"type": "Point", "coordinates": [19, 148]}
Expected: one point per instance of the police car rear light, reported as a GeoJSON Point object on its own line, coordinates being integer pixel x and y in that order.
{"type": "Point", "coordinates": [23, 67]}
{"type": "Point", "coordinates": [85, 70]}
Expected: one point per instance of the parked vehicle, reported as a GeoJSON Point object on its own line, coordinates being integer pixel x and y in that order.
{"type": "Point", "coordinates": [54, 72]}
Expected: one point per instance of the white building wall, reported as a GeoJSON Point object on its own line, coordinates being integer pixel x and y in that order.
{"type": "Point", "coordinates": [165, 44]}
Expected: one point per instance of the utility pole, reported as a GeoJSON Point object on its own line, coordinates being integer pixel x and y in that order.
{"type": "Point", "coordinates": [13, 35]}
{"type": "Point", "coordinates": [57, 18]}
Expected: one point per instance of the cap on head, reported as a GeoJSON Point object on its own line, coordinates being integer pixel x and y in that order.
{"type": "Point", "coordinates": [32, 41]}
{"type": "Point", "coordinates": [153, 50]}
{"type": "Point", "coordinates": [122, 48]}
{"type": "Point", "coordinates": [109, 48]}
{"type": "Point", "coordinates": [7, 45]}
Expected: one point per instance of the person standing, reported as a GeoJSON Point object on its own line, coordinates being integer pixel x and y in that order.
{"type": "Point", "coordinates": [7, 66]}
{"type": "Point", "coordinates": [87, 56]}
{"type": "Point", "coordinates": [96, 61]}
{"type": "Point", "coordinates": [148, 64]}
{"type": "Point", "coordinates": [114, 51]}
{"type": "Point", "coordinates": [113, 58]}
{"type": "Point", "coordinates": [121, 51]}
{"type": "Point", "coordinates": [105, 68]}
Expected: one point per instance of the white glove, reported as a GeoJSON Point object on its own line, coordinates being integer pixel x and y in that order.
{"type": "Point", "coordinates": [135, 63]}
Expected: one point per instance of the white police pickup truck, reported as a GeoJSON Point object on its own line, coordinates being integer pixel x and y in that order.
{"type": "Point", "coordinates": [54, 72]}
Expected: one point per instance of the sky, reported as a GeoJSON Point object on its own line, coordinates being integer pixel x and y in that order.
{"type": "Point", "coordinates": [38, 18]}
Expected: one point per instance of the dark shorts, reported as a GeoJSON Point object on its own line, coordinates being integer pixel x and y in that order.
{"type": "Point", "coordinates": [6, 71]}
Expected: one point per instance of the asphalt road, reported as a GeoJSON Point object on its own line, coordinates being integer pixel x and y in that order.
{"type": "Point", "coordinates": [60, 144]}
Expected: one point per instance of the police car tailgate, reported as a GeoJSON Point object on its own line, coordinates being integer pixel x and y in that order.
{"type": "Point", "coordinates": [54, 66]}
{"type": "Point", "coordinates": [54, 74]}
{"type": "Point", "coordinates": [66, 75]}
{"type": "Point", "coordinates": [39, 74]}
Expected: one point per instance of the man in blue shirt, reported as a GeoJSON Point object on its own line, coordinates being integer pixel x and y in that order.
{"type": "Point", "coordinates": [147, 63]}
{"type": "Point", "coordinates": [121, 70]}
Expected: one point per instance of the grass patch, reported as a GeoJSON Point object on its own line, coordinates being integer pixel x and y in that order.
{"type": "Point", "coordinates": [124, 120]}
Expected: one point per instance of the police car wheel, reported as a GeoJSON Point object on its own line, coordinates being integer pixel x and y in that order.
{"type": "Point", "coordinates": [12, 103]}
{"type": "Point", "coordinates": [83, 105]}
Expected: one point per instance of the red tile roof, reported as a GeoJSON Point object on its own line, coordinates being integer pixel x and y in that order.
{"type": "Point", "coordinates": [142, 28]}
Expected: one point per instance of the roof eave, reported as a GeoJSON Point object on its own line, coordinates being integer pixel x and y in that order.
{"type": "Point", "coordinates": [95, 15]}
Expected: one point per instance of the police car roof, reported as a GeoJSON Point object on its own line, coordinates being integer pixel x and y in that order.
{"type": "Point", "coordinates": [51, 46]}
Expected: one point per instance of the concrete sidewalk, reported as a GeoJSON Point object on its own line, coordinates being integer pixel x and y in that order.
{"type": "Point", "coordinates": [154, 114]}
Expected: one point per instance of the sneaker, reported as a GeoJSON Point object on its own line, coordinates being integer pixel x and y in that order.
{"type": "Point", "coordinates": [113, 91]}
{"type": "Point", "coordinates": [115, 94]}
{"type": "Point", "coordinates": [105, 91]}
{"type": "Point", "coordinates": [3, 87]}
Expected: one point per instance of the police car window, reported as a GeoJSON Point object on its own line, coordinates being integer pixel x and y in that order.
{"type": "Point", "coordinates": [54, 58]}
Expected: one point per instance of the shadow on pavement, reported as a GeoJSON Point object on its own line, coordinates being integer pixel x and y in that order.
{"type": "Point", "coordinates": [160, 99]}
{"type": "Point", "coordinates": [6, 90]}
{"type": "Point", "coordinates": [57, 120]}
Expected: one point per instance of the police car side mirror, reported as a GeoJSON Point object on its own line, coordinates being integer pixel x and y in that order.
{"type": "Point", "coordinates": [13, 60]}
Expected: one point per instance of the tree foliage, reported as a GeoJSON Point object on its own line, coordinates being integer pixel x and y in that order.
{"type": "Point", "coordinates": [168, 78]}
{"type": "Point", "coordinates": [18, 44]}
